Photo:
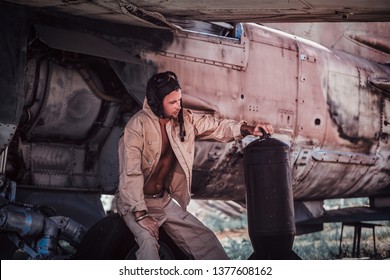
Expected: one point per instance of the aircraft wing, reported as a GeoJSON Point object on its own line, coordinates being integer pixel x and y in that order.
{"type": "Point", "coordinates": [349, 215]}
{"type": "Point", "coordinates": [145, 12]}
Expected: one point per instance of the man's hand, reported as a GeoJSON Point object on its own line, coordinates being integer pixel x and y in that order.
{"type": "Point", "coordinates": [151, 225]}
{"type": "Point", "coordinates": [257, 130]}
{"type": "Point", "coordinates": [148, 223]}
{"type": "Point", "coordinates": [267, 128]}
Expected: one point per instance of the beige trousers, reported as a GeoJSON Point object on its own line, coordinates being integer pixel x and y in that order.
{"type": "Point", "coordinates": [189, 234]}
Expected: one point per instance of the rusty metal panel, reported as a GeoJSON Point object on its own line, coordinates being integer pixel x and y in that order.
{"type": "Point", "coordinates": [51, 159]}
{"type": "Point", "coordinates": [216, 75]}
{"type": "Point", "coordinates": [304, 157]}
{"type": "Point", "coordinates": [369, 40]}
{"type": "Point", "coordinates": [359, 120]}
{"type": "Point", "coordinates": [312, 108]}
{"type": "Point", "coordinates": [69, 109]}
{"type": "Point", "coordinates": [339, 92]}
{"type": "Point", "coordinates": [386, 119]}
{"type": "Point", "coordinates": [269, 93]}
{"type": "Point", "coordinates": [7, 132]}
{"type": "Point", "coordinates": [208, 49]}
{"type": "Point", "coordinates": [302, 165]}
{"type": "Point", "coordinates": [57, 166]}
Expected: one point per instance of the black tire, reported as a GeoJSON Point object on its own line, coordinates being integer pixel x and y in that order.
{"type": "Point", "coordinates": [111, 239]}
{"type": "Point", "coordinates": [7, 248]}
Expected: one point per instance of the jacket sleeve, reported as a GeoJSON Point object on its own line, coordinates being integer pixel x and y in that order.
{"type": "Point", "coordinates": [208, 127]}
{"type": "Point", "coordinates": [131, 178]}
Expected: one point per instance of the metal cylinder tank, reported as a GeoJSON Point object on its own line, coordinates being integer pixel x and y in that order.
{"type": "Point", "coordinates": [269, 198]}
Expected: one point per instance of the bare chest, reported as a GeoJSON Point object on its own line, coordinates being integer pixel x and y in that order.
{"type": "Point", "coordinates": [166, 149]}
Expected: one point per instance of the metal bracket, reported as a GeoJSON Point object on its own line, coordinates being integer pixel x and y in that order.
{"type": "Point", "coordinates": [343, 157]}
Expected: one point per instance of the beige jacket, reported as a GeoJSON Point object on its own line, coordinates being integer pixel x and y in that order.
{"type": "Point", "coordinates": [140, 147]}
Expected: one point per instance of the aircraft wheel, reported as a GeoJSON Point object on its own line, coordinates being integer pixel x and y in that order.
{"type": "Point", "coordinates": [111, 239]}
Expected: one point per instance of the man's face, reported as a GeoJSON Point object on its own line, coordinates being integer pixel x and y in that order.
{"type": "Point", "coordinates": [171, 104]}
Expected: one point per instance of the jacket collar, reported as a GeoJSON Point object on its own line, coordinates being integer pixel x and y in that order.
{"type": "Point", "coordinates": [149, 111]}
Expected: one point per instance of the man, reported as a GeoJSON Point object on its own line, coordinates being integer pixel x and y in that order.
{"type": "Point", "coordinates": [156, 154]}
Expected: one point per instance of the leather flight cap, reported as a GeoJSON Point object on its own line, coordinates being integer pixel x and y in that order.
{"type": "Point", "coordinates": [167, 88]}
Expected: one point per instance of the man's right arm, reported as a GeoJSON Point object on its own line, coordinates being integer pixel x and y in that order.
{"type": "Point", "coordinates": [131, 182]}
{"type": "Point", "coordinates": [131, 179]}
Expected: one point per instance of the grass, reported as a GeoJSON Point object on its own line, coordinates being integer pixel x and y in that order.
{"type": "Point", "coordinates": [324, 245]}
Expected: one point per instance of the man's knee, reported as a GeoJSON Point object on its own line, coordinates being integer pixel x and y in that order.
{"type": "Point", "coordinates": [148, 246]}
{"type": "Point", "coordinates": [144, 235]}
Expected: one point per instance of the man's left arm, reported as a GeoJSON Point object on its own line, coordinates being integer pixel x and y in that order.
{"type": "Point", "coordinates": [210, 128]}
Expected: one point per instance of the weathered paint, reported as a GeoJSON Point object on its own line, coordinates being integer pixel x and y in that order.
{"type": "Point", "coordinates": [319, 100]}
